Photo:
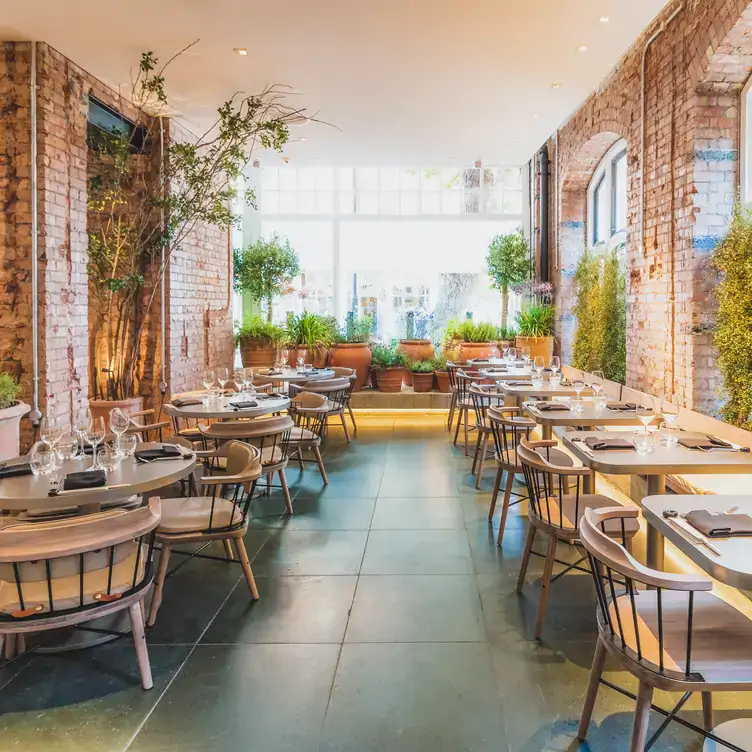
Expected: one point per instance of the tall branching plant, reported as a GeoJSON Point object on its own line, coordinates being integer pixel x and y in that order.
{"type": "Point", "coordinates": [732, 334]}
{"type": "Point", "coordinates": [508, 262]}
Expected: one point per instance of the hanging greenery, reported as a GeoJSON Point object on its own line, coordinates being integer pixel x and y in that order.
{"type": "Point", "coordinates": [600, 340]}
{"type": "Point", "coordinates": [732, 334]}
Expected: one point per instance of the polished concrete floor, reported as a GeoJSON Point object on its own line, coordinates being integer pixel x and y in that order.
{"type": "Point", "coordinates": [388, 620]}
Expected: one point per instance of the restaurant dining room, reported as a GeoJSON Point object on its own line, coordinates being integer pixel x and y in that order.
{"type": "Point", "coordinates": [376, 377]}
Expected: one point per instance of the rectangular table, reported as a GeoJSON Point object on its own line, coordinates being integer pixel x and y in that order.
{"type": "Point", "coordinates": [546, 391]}
{"type": "Point", "coordinates": [591, 415]}
{"type": "Point", "coordinates": [521, 374]}
{"type": "Point", "coordinates": [655, 466]}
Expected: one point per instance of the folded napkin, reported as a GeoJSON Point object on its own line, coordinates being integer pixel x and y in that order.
{"type": "Point", "coordinates": [496, 370]}
{"type": "Point", "coordinates": [719, 525]}
{"type": "Point", "coordinates": [84, 480]}
{"type": "Point", "coordinates": [705, 442]}
{"type": "Point", "coordinates": [593, 442]}
{"type": "Point", "coordinates": [272, 372]}
{"type": "Point", "coordinates": [621, 406]}
{"type": "Point", "coordinates": [547, 407]}
{"type": "Point", "coordinates": [185, 402]}
{"type": "Point", "coordinates": [166, 452]}
{"type": "Point", "coordinates": [517, 383]}
{"type": "Point", "coordinates": [245, 405]}
{"type": "Point", "coordinates": [270, 395]}
{"type": "Point", "coordinates": [16, 470]}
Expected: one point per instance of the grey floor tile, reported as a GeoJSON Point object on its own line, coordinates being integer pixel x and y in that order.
{"type": "Point", "coordinates": [331, 513]}
{"type": "Point", "coordinates": [411, 479]}
{"type": "Point", "coordinates": [290, 609]}
{"type": "Point", "coordinates": [416, 608]}
{"type": "Point", "coordinates": [418, 514]}
{"type": "Point", "coordinates": [270, 698]}
{"type": "Point", "coordinates": [417, 552]}
{"type": "Point", "coordinates": [411, 697]}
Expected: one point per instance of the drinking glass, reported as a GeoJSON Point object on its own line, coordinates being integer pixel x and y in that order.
{"type": "Point", "coordinates": [283, 357]}
{"type": "Point", "coordinates": [238, 376]}
{"type": "Point", "coordinates": [577, 405]}
{"type": "Point", "coordinates": [643, 441]}
{"type": "Point", "coordinates": [538, 365]}
{"type": "Point", "coordinates": [494, 353]}
{"type": "Point", "coordinates": [670, 412]}
{"type": "Point", "coordinates": [526, 355]}
{"type": "Point", "coordinates": [41, 459]}
{"type": "Point", "coordinates": [107, 457]}
{"type": "Point", "coordinates": [223, 376]}
{"type": "Point", "coordinates": [208, 379]}
{"type": "Point", "coordinates": [128, 445]}
{"type": "Point", "coordinates": [119, 421]}
{"type": "Point", "coordinates": [555, 364]}
{"type": "Point", "coordinates": [302, 354]}
{"type": "Point", "coordinates": [308, 368]}
{"type": "Point", "coordinates": [512, 354]}
{"type": "Point", "coordinates": [505, 352]}
{"type": "Point", "coordinates": [669, 434]}
{"type": "Point", "coordinates": [83, 418]}
{"type": "Point", "coordinates": [597, 382]}
{"type": "Point", "coordinates": [578, 385]}
{"type": "Point", "coordinates": [50, 432]}
{"type": "Point", "coordinates": [645, 413]}
{"type": "Point", "coordinates": [94, 434]}
{"type": "Point", "coordinates": [67, 446]}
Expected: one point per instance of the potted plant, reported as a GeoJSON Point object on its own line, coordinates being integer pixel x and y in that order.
{"type": "Point", "coordinates": [11, 412]}
{"type": "Point", "coordinates": [416, 344]}
{"type": "Point", "coordinates": [258, 341]}
{"type": "Point", "coordinates": [264, 270]}
{"type": "Point", "coordinates": [422, 372]}
{"type": "Point", "coordinates": [149, 189]}
{"type": "Point", "coordinates": [508, 262]}
{"type": "Point", "coordinates": [472, 340]}
{"type": "Point", "coordinates": [507, 335]}
{"type": "Point", "coordinates": [389, 366]}
{"type": "Point", "coordinates": [350, 347]}
{"type": "Point", "coordinates": [442, 374]}
{"type": "Point", "coordinates": [535, 323]}
{"type": "Point", "coordinates": [311, 333]}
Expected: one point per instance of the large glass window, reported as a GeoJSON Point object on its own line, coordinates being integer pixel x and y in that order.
{"type": "Point", "coordinates": [607, 198]}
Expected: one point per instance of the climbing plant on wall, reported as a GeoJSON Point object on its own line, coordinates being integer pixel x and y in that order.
{"type": "Point", "coordinates": [600, 340]}
{"type": "Point", "coordinates": [732, 334]}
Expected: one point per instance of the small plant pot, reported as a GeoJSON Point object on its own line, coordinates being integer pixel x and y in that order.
{"type": "Point", "coordinates": [390, 379]}
{"type": "Point", "coordinates": [256, 354]}
{"type": "Point", "coordinates": [101, 408]}
{"type": "Point", "coordinates": [422, 382]}
{"type": "Point", "coordinates": [442, 382]}
{"type": "Point", "coordinates": [355, 355]}
{"type": "Point", "coordinates": [10, 430]}
{"type": "Point", "coordinates": [375, 378]}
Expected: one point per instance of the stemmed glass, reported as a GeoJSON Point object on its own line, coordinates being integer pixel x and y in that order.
{"type": "Point", "coordinates": [80, 425]}
{"type": "Point", "coordinates": [119, 423]}
{"type": "Point", "coordinates": [505, 352]}
{"type": "Point", "coordinates": [597, 383]}
{"type": "Point", "coordinates": [67, 446]}
{"type": "Point", "coordinates": [578, 385]}
{"type": "Point", "coordinates": [94, 434]}
{"type": "Point", "coordinates": [302, 354]}
{"type": "Point", "coordinates": [512, 354]}
{"type": "Point", "coordinates": [50, 432]}
{"type": "Point", "coordinates": [223, 376]}
{"type": "Point", "coordinates": [538, 365]}
{"type": "Point", "coordinates": [526, 356]}
{"type": "Point", "coordinates": [208, 380]}
{"type": "Point", "coordinates": [645, 413]}
{"type": "Point", "coordinates": [494, 354]}
{"type": "Point", "coordinates": [555, 364]}
{"type": "Point", "coordinates": [238, 377]}
{"type": "Point", "coordinates": [670, 412]}
{"type": "Point", "coordinates": [283, 356]}
{"type": "Point", "coordinates": [248, 381]}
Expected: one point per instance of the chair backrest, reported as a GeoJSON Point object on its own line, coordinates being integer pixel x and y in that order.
{"type": "Point", "coordinates": [508, 431]}
{"type": "Point", "coordinates": [337, 390]}
{"type": "Point", "coordinates": [636, 618]}
{"type": "Point", "coordinates": [342, 372]}
{"type": "Point", "coordinates": [485, 396]}
{"type": "Point", "coordinates": [309, 411]}
{"type": "Point", "coordinates": [75, 564]}
{"type": "Point", "coordinates": [452, 369]}
{"type": "Point", "coordinates": [464, 381]}
{"type": "Point", "coordinates": [548, 485]}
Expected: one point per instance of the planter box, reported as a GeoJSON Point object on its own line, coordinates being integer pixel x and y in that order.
{"type": "Point", "coordinates": [10, 430]}
{"type": "Point", "coordinates": [475, 350]}
{"type": "Point", "coordinates": [422, 382]}
{"type": "Point", "coordinates": [543, 346]}
{"type": "Point", "coordinates": [257, 355]}
{"type": "Point", "coordinates": [355, 355]}
{"type": "Point", "coordinates": [101, 408]}
{"type": "Point", "coordinates": [415, 349]}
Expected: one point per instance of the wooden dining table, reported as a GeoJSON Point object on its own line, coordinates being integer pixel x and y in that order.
{"type": "Point", "coordinates": [732, 565]}
{"type": "Point", "coordinates": [222, 408]}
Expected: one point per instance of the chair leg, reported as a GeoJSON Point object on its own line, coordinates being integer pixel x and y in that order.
{"type": "Point", "coordinates": [495, 492]}
{"type": "Point", "coordinates": [531, 531]}
{"type": "Point", "coordinates": [285, 491]}
{"type": "Point", "coordinates": [505, 506]}
{"type": "Point", "coordinates": [156, 598]}
{"type": "Point", "coordinates": [320, 463]}
{"type": "Point", "coordinates": [10, 646]}
{"type": "Point", "coordinates": [466, 423]}
{"type": "Point", "coordinates": [228, 550]}
{"type": "Point", "coordinates": [459, 425]}
{"type": "Point", "coordinates": [599, 661]}
{"type": "Point", "coordinates": [352, 418]}
{"type": "Point", "coordinates": [20, 642]}
{"type": "Point", "coordinates": [707, 711]}
{"type": "Point", "coordinates": [642, 718]}
{"type": "Point", "coordinates": [481, 459]}
{"type": "Point", "coordinates": [344, 426]}
{"type": "Point", "coordinates": [452, 405]}
{"type": "Point", "coordinates": [548, 568]}
{"type": "Point", "coordinates": [475, 454]}
{"type": "Point", "coordinates": [246, 566]}
{"type": "Point", "coordinates": [139, 640]}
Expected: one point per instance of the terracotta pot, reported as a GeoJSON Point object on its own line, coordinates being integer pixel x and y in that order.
{"type": "Point", "coordinates": [442, 382]}
{"type": "Point", "coordinates": [10, 430]}
{"type": "Point", "coordinates": [320, 356]}
{"type": "Point", "coordinates": [422, 382]}
{"type": "Point", "coordinates": [255, 354]}
{"type": "Point", "coordinates": [543, 346]}
{"type": "Point", "coordinates": [355, 355]}
{"type": "Point", "coordinates": [415, 349]}
{"type": "Point", "coordinates": [390, 379]}
{"type": "Point", "coordinates": [374, 378]}
{"type": "Point", "coordinates": [475, 350]}
{"type": "Point", "coordinates": [101, 408]}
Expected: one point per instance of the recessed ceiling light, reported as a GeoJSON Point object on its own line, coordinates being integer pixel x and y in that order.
{"type": "Point", "coordinates": [605, 19]}
{"type": "Point", "coordinates": [583, 48]}
{"type": "Point", "coordinates": [536, 115]}
{"type": "Point", "coordinates": [241, 51]}
{"type": "Point", "coordinates": [302, 138]}
{"type": "Point", "coordinates": [556, 86]}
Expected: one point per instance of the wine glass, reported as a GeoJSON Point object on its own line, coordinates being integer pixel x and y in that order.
{"type": "Point", "coordinates": [670, 412]}
{"type": "Point", "coordinates": [494, 355]}
{"type": "Point", "coordinates": [645, 413]}
{"type": "Point", "coordinates": [538, 365]}
{"type": "Point", "coordinates": [597, 383]}
{"type": "Point", "coordinates": [67, 446]}
{"type": "Point", "coordinates": [555, 364]}
{"type": "Point", "coordinates": [223, 376]}
{"type": "Point", "coordinates": [41, 459]}
{"type": "Point", "coordinates": [578, 385]}
{"type": "Point", "coordinates": [526, 356]}
{"type": "Point", "coordinates": [83, 418]}
{"type": "Point", "coordinates": [505, 352]}
{"type": "Point", "coordinates": [283, 357]}
{"type": "Point", "coordinates": [50, 432]}
{"type": "Point", "coordinates": [248, 381]}
{"type": "Point", "coordinates": [94, 434]}
{"type": "Point", "coordinates": [512, 353]}
{"type": "Point", "coordinates": [119, 422]}
{"type": "Point", "coordinates": [208, 380]}
{"type": "Point", "coordinates": [302, 354]}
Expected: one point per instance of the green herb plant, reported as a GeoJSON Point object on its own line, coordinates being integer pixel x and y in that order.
{"type": "Point", "coordinates": [259, 331]}
{"type": "Point", "coordinates": [422, 366]}
{"type": "Point", "coordinates": [388, 356]}
{"type": "Point", "coordinates": [308, 330]}
{"type": "Point", "coordinates": [507, 332]}
{"type": "Point", "coordinates": [469, 331]}
{"type": "Point", "coordinates": [10, 391]}
{"type": "Point", "coordinates": [536, 320]}
{"type": "Point", "coordinates": [357, 329]}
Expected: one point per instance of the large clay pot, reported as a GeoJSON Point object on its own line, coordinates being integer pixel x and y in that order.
{"type": "Point", "coordinates": [320, 356]}
{"type": "Point", "coordinates": [442, 382]}
{"type": "Point", "coordinates": [355, 355]}
{"type": "Point", "coordinates": [10, 430]}
{"type": "Point", "coordinates": [543, 346]}
{"type": "Point", "coordinates": [101, 408]}
{"type": "Point", "coordinates": [475, 350]}
{"type": "Point", "coordinates": [415, 349]}
{"type": "Point", "coordinates": [422, 382]}
{"type": "Point", "coordinates": [390, 379]}
{"type": "Point", "coordinates": [257, 354]}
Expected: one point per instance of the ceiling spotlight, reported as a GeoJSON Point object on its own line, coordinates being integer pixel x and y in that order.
{"type": "Point", "coordinates": [242, 51]}
{"type": "Point", "coordinates": [302, 138]}
{"type": "Point", "coordinates": [536, 115]}
{"type": "Point", "coordinates": [556, 86]}
{"type": "Point", "coordinates": [583, 48]}
{"type": "Point", "coordinates": [605, 19]}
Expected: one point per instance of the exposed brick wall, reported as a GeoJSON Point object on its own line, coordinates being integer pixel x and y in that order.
{"type": "Point", "coordinates": [695, 72]}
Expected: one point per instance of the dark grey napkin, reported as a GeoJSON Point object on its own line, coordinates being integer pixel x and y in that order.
{"type": "Point", "coordinates": [160, 453]}
{"type": "Point", "coordinates": [593, 442]}
{"type": "Point", "coordinates": [719, 525]}
{"type": "Point", "coordinates": [16, 470]}
{"type": "Point", "coordinates": [83, 480]}
{"type": "Point", "coordinates": [547, 407]}
{"type": "Point", "coordinates": [185, 402]}
{"type": "Point", "coordinates": [245, 405]}
{"type": "Point", "coordinates": [624, 407]}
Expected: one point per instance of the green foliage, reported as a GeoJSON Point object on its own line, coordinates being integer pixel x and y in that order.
{"type": "Point", "coordinates": [388, 356]}
{"type": "Point", "coordinates": [536, 320]}
{"type": "Point", "coordinates": [440, 363]}
{"type": "Point", "coordinates": [10, 391]}
{"type": "Point", "coordinates": [357, 329]}
{"type": "Point", "coordinates": [508, 262]}
{"type": "Point", "coordinates": [308, 330]}
{"type": "Point", "coordinates": [260, 331]}
{"type": "Point", "coordinates": [732, 333]}
{"type": "Point", "coordinates": [600, 340]}
{"type": "Point", "coordinates": [469, 331]}
{"type": "Point", "coordinates": [423, 366]}
{"type": "Point", "coordinates": [265, 269]}
{"type": "Point", "coordinates": [507, 333]}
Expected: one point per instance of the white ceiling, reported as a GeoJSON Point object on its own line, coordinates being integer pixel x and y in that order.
{"type": "Point", "coordinates": [420, 82]}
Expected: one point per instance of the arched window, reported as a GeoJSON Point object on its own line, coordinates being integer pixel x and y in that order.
{"type": "Point", "coordinates": [607, 199]}
{"type": "Point", "coordinates": [746, 145]}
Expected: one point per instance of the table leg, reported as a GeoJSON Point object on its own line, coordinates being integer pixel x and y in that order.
{"type": "Point", "coordinates": [656, 486]}
{"type": "Point", "coordinates": [546, 432]}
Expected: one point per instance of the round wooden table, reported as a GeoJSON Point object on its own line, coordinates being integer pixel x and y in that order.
{"type": "Point", "coordinates": [292, 376]}
{"type": "Point", "coordinates": [221, 409]}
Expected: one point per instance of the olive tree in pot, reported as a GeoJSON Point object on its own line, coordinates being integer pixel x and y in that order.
{"type": "Point", "coordinates": [508, 262]}
{"type": "Point", "coordinates": [389, 365]}
{"type": "Point", "coordinates": [258, 341]}
{"type": "Point", "coordinates": [11, 412]}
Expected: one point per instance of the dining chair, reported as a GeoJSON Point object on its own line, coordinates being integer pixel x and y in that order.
{"type": "Point", "coordinates": [212, 516]}
{"type": "Point", "coordinates": [146, 431]}
{"type": "Point", "coordinates": [556, 509]}
{"type": "Point", "coordinates": [452, 369]}
{"type": "Point", "coordinates": [464, 404]}
{"type": "Point", "coordinates": [341, 372]}
{"type": "Point", "coordinates": [270, 435]}
{"type": "Point", "coordinates": [483, 397]}
{"type": "Point", "coordinates": [336, 391]}
{"type": "Point", "coordinates": [668, 630]}
{"type": "Point", "coordinates": [67, 572]}
{"type": "Point", "coordinates": [309, 412]}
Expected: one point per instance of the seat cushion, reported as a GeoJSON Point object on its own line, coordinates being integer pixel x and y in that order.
{"type": "Point", "coordinates": [553, 455]}
{"type": "Point", "coordinates": [303, 436]}
{"type": "Point", "coordinates": [192, 514]}
{"type": "Point", "coordinates": [272, 456]}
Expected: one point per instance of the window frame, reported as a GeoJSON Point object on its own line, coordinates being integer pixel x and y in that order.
{"type": "Point", "coordinates": [745, 145]}
{"type": "Point", "coordinates": [603, 183]}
